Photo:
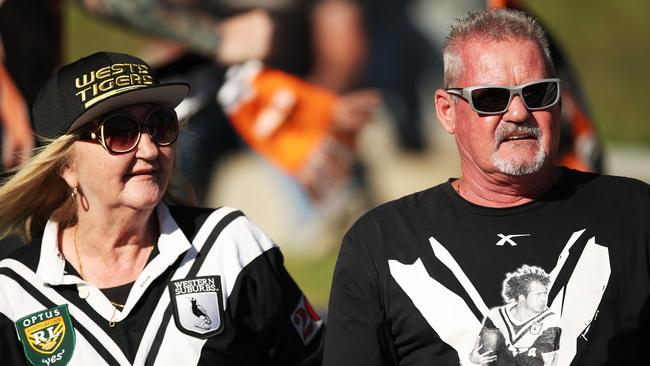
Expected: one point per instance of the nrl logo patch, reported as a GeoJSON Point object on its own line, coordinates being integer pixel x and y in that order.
{"type": "Point", "coordinates": [47, 336]}
{"type": "Point", "coordinates": [198, 305]}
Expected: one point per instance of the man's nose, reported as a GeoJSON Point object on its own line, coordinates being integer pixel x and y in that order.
{"type": "Point", "coordinates": [517, 111]}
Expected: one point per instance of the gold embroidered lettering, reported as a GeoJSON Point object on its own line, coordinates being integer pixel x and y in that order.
{"type": "Point", "coordinates": [83, 94]}
{"type": "Point", "coordinates": [103, 73]}
{"type": "Point", "coordinates": [142, 69]}
{"type": "Point", "coordinates": [122, 80]}
{"type": "Point", "coordinates": [117, 68]}
{"type": "Point", "coordinates": [106, 85]}
{"type": "Point", "coordinates": [147, 79]}
{"type": "Point", "coordinates": [86, 80]}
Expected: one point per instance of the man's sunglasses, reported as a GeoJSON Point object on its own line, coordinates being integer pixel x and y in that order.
{"type": "Point", "coordinates": [494, 99]}
{"type": "Point", "coordinates": [120, 132]}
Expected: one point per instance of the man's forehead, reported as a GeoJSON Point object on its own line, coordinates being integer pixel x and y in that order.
{"type": "Point", "coordinates": [502, 62]}
{"type": "Point", "coordinates": [536, 286]}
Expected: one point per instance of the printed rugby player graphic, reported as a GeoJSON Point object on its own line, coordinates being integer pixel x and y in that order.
{"type": "Point", "coordinates": [576, 287]}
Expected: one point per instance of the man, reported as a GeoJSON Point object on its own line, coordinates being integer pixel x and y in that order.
{"type": "Point", "coordinates": [524, 331]}
{"type": "Point", "coordinates": [416, 276]}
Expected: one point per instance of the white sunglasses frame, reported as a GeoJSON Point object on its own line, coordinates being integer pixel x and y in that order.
{"type": "Point", "coordinates": [466, 93]}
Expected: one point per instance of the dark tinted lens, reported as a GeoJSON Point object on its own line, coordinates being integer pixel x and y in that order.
{"type": "Point", "coordinates": [162, 125]}
{"type": "Point", "coordinates": [120, 133]}
{"type": "Point", "coordinates": [540, 95]}
{"type": "Point", "coordinates": [490, 100]}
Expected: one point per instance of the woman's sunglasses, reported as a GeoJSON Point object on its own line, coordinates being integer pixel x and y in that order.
{"type": "Point", "coordinates": [120, 132]}
{"type": "Point", "coordinates": [488, 99]}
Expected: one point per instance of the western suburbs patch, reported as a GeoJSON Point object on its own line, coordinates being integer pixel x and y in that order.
{"type": "Point", "coordinates": [198, 305]}
{"type": "Point", "coordinates": [47, 336]}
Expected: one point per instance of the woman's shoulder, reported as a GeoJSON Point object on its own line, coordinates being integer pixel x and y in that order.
{"type": "Point", "coordinates": [223, 221]}
{"type": "Point", "coordinates": [27, 254]}
{"type": "Point", "coordinates": [192, 219]}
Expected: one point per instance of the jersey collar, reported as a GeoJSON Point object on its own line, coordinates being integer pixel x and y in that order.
{"type": "Point", "coordinates": [171, 244]}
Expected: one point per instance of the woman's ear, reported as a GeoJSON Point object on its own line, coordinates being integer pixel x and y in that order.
{"type": "Point", "coordinates": [69, 175]}
{"type": "Point", "coordinates": [445, 110]}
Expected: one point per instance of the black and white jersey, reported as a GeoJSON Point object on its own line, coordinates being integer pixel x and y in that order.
{"type": "Point", "coordinates": [525, 342]}
{"type": "Point", "coordinates": [214, 293]}
{"type": "Point", "coordinates": [416, 277]}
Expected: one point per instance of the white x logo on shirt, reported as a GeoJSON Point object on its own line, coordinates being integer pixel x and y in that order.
{"type": "Point", "coordinates": [508, 239]}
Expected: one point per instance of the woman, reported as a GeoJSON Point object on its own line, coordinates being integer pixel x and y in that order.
{"type": "Point", "coordinates": [115, 276]}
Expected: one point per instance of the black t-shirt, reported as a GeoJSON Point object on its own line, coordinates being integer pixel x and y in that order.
{"type": "Point", "coordinates": [416, 277]}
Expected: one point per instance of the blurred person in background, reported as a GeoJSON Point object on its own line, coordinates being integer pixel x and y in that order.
{"type": "Point", "coordinates": [113, 275]}
{"type": "Point", "coordinates": [416, 276]}
{"type": "Point", "coordinates": [400, 61]}
{"type": "Point", "coordinates": [216, 34]}
{"type": "Point", "coordinates": [374, 43]}
{"type": "Point", "coordinates": [30, 50]}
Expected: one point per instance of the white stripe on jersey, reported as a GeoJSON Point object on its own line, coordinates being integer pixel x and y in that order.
{"type": "Point", "coordinates": [28, 305]}
{"type": "Point", "coordinates": [238, 245]}
{"type": "Point", "coordinates": [165, 301]}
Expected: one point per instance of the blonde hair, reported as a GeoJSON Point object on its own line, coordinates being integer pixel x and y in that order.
{"type": "Point", "coordinates": [36, 189]}
{"type": "Point", "coordinates": [490, 25]}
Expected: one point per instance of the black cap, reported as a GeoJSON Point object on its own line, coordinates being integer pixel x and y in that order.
{"type": "Point", "coordinates": [84, 90]}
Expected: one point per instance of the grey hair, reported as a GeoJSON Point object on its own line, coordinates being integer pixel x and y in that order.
{"type": "Point", "coordinates": [490, 25]}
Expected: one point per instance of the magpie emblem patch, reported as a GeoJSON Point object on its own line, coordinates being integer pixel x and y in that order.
{"type": "Point", "coordinates": [47, 336]}
{"type": "Point", "coordinates": [198, 305]}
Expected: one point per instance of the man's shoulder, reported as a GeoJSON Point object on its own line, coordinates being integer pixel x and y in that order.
{"type": "Point", "coordinates": [496, 311]}
{"type": "Point", "coordinates": [596, 180]}
{"type": "Point", "coordinates": [392, 224]}
{"type": "Point", "coordinates": [606, 187]}
{"type": "Point", "coordinates": [406, 206]}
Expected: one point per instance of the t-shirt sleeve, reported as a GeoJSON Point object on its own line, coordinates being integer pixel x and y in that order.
{"type": "Point", "coordinates": [357, 332]}
{"type": "Point", "coordinates": [549, 340]}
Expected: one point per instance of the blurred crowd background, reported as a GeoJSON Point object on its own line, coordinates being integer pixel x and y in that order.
{"type": "Point", "coordinates": [368, 70]}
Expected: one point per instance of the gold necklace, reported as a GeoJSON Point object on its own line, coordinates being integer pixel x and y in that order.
{"type": "Point", "coordinates": [81, 267]}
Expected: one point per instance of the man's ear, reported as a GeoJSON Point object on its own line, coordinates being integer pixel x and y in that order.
{"type": "Point", "coordinates": [521, 297]}
{"type": "Point", "coordinates": [445, 110]}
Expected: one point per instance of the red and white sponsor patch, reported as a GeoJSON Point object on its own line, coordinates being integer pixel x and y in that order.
{"type": "Point", "coordinates": [306, 320]}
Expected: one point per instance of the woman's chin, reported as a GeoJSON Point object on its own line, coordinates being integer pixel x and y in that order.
{"type": "Point", "coordinates": [142, 200]}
